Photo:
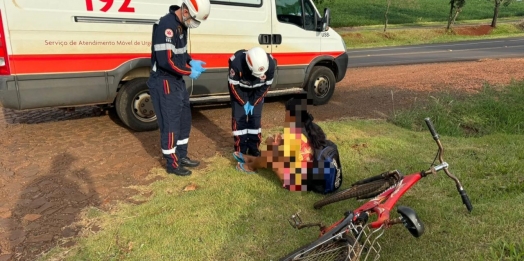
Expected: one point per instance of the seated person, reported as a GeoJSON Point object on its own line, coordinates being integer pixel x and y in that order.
{"type": "Point", "coordinates": [291, 154]}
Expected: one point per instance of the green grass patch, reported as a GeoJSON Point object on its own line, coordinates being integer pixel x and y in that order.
{"type": "Point", "coordinates": [503, 250]}
{"type": "Point", "coordinates": [235, 216]}
{"type": "Point", "coordinates": [398, 37]}
{"type": "Point", "coordinates": [371, 12]}
{"type": "Point", "coordinates": [492, 110]}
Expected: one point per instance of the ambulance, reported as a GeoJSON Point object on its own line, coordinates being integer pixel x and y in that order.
{"type": "Point", "coordinates": [68, 53]}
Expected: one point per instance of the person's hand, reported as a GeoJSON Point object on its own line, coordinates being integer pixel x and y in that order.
{"type": "Point", "coordinates": [246, 107]}
{"type": "Point", "coordinates": [197, 64]}
{"type": "Point", "coordinates": [251, 109]}
{"type": "Point", "coordinates": [194, 74]}
{"type": "Point", "coordinates": [278, 139]}
{"type": "Point", "coordinates": [270, 140]}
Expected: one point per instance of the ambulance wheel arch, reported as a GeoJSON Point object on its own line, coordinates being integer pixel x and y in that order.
{"type": "Point", "coordinates": [321, 78]}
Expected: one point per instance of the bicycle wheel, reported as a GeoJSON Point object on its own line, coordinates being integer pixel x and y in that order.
{"type": "Point", "coordinates": [344, 249]}
{"type": "Point", "coordinates": [363, 191]}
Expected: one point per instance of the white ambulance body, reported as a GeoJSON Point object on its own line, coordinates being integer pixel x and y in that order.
{"type": "Point", "coordinates": [66, 53]}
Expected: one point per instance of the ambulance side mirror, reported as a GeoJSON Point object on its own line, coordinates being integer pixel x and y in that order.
{"type": "Point", "coordinates": [325, 19]}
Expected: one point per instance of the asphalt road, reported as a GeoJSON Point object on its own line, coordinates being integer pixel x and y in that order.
{"type": "Point", "coordinates": [431, 53]}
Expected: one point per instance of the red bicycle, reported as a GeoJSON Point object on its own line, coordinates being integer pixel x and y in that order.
{"type": "Point", "coordinates": [352, 237]}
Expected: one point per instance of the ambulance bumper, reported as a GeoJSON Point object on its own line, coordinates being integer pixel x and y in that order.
{"type": "Point", "coordinates": [342, 65]}
{"type": "Point", "coordinates": [8, 94]}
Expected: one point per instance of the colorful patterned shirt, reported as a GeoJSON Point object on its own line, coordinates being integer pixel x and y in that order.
{"type": "Point", "coordinates": [298, 149]}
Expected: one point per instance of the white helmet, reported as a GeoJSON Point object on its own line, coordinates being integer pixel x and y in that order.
{"type": "Point", "coordinates": [198, 10]}
{"type": "Point", "coordinates": [257, 61]}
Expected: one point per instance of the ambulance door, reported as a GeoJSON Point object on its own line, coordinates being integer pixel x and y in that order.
{"type": "Point", "coordinates": [232, 25]}
{"type": "Point", "coordinates": [295, 39]}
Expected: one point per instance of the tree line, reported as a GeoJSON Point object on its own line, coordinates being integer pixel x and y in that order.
{"type": "Point", "coordinates": [457, 5]}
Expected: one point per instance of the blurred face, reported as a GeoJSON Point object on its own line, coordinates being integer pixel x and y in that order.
{"type": "Point", "coordinates": [288, 117]}
{"type": "Point", "coordinates": [294, 121]}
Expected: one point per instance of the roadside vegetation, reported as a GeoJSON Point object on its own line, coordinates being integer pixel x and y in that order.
{"type": "Point", "coordinates": [411, 36]}
{"type": "Point", "coordinates": [375, 23]}
{"type": "Point", "coordinates": [493, 110]}
{"type": "Point", "coordinates": [351, 13]}
{"type": "Point", "coordinates": [221, 214]}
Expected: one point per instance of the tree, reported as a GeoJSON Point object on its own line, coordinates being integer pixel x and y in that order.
{"type": "Point", "coordinates": [496, 10]}
{"type": "Point", "coordinates": [454, 10]}
{"type": "Point", "coordinates": [386, 15]}
{"type": "Point", "coordinates": [388, 4]}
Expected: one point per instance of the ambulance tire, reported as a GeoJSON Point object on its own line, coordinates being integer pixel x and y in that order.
{"type": "Point", "coordinates": [132, 96]}
{"type": "Point", "coordinates": [321, 84]}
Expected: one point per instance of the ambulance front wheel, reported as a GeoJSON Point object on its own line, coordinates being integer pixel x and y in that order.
{"type": "Point", "coordinates": [134, 106]}
{"type": "Point", "coordinates": [321, 84]}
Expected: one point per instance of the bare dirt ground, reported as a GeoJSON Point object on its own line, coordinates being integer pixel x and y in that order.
{"type": "Point", "coordinates": [54, 163]}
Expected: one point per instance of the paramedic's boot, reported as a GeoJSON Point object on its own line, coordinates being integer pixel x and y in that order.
{"type": "Point", "coordinates": [187, 162]}
{"type": "Point", "coordinates": [180, 171]}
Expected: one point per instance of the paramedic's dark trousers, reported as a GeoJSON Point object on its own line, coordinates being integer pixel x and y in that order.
{"type": "Point", "coordinates": [171, 104]}
{"type": "Point", "coordinates": [247, 129]}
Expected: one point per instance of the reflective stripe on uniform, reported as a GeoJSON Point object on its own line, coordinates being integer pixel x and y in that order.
{"type": "Point", "coordinates": [168, 152]}
{"type": "Point", "coordinates": [256, 131]}
{"type": "Point", "coordinates": [182, 142]}
{"type": "Point", "coordinates": [247, 131]}
{"type": "Point", "coordinates": [231, 81]}
{"type": "Point", "coordinates": [168, 46]}
{"type": "Point", "coordinates": [239, 132]}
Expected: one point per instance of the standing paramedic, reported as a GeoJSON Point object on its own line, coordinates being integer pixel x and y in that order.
{"type": "Point", "coordinates": [251, 74]}
{"type": "Point", "coordinates": [170, 62]}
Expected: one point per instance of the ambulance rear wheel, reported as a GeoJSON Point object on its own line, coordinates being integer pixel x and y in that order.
{"type": "Point", "coordinates": [134, 106]}
{"type": "Point", "coordinates": [321, 84]}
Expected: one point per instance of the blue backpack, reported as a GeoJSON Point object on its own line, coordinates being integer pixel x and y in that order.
{"type": "Point", "coordinates": [326, 174]}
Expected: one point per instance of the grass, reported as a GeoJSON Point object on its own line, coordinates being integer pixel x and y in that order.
{"type": "Point", "coordinates": [492, 110]}
{"type": "Point", "coordinates": [234, 216]}
{"type": "Point", "coordinates": [399, 37]}
{"type": "Point", "coordinates": [345, 13]}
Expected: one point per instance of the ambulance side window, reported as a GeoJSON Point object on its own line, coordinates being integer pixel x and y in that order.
{"type": "Point", "coordinates": [310, 16]}
{"type": "Point", "coordinates": [290, 11]}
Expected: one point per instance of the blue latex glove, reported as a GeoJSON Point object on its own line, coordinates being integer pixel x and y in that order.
{"type": "Point", "coordinates": [246, 107]}
{"type": "Point", "coordinates": [194, 74]}
{"type": "Point", "coordinates": [251, 109]}
{"type": "Point", "coordinates": [197, 64]}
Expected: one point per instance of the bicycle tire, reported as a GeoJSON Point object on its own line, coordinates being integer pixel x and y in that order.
{"type": "Point", "coordinates": [363, 191]}
{"type": "Point", "coordinates": [335, 250]}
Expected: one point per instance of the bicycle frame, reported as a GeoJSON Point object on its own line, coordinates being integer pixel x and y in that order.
{"type": "Point", "coordinates": [383, 203]}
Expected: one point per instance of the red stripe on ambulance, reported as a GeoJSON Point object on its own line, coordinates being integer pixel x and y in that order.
{"type": "Point", "coordinates": [73, 63]}
{"type": "Point", "coordinates": [4, 57]}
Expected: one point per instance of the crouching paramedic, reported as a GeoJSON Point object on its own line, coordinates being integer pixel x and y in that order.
{"type": "Point", "coordinates": [170, 62]}
{"type": "Point", "coordinates": [251, 74]}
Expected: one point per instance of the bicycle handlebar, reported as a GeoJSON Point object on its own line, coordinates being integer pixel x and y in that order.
{"type": "Point", "coordinates": [432, 129]}
{"type": "Point", "coordinates": [444, 166]}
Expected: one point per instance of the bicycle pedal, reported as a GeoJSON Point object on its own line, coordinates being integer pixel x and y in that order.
{"type": "Point", "coordinates": [295, 220]}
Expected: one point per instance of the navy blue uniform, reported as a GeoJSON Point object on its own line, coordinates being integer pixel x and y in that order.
{"type": "Point", "coordinates": [244, 87]}
{"type": "Point", "coordinates": [169, 63]}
